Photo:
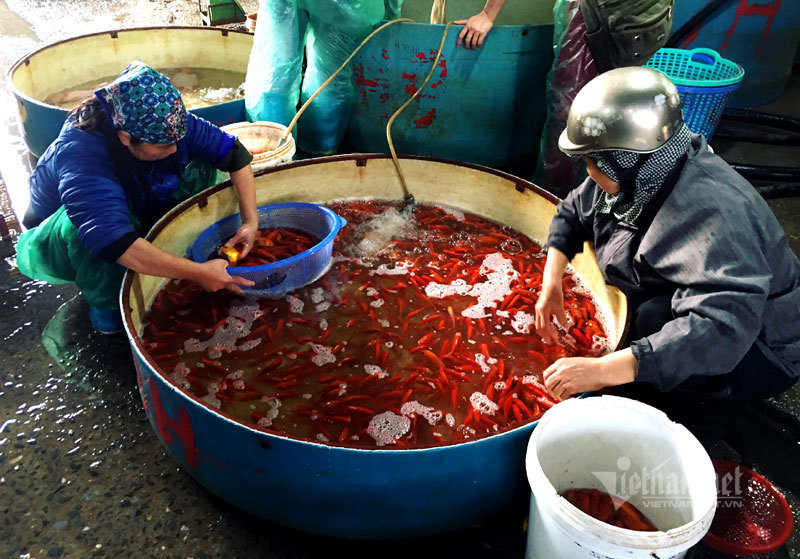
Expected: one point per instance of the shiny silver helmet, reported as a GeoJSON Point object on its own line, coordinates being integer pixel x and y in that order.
{"type": "Point", "coordinates": [633, 108]}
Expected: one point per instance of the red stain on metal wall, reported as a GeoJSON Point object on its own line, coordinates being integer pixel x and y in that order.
{"type": "Point", "coordinates": [372, 80]}
{"type": "Point", "coordinates": [426, 120]}
{"type": "Point", "coordinates": [768, 10]}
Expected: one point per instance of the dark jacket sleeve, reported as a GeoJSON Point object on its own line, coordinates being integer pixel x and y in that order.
{"type": "Point", "coordinates": [236, 159]}
{"type": "Point", "coordinates": [711, 247]}
{"type": "Point", "coordinates": [573, 222]}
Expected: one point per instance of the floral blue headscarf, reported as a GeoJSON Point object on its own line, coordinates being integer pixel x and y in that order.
{"type": "Point", "coordinates": [144, 103]}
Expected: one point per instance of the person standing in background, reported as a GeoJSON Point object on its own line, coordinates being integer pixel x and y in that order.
{"type": "Point", "coordinates": [325, 32]}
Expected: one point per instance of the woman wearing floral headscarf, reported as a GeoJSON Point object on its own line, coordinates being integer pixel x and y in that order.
{"type": "Point", "coordinates": [122, 159]}
{"type": "Point", "coordinates": [708, 272]}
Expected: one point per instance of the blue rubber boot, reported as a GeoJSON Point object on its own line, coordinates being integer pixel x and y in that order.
{"type": "Point", "coordinates": [106, 322]}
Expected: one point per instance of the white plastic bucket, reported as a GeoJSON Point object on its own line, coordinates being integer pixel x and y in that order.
{"type": "Point", "coordinates": [630, 450]}
{"type": "Point", "coordinates": [262, 139]}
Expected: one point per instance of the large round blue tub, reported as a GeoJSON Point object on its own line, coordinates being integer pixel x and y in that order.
{"type": "Point", "coordinates": [329, 489]}
{"type": "Point", "coordinates": [64, 64]}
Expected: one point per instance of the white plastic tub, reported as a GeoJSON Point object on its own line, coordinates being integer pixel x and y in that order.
{"type": "Point", "coordinates": [262, 139]}
{"type": "Point", "coordinates": [630, 450]}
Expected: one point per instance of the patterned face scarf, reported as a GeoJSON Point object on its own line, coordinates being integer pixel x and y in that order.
{"type": "Point", "coordinates": [144, 103]}
{"type": "Point", "coordinates": [640, 175]}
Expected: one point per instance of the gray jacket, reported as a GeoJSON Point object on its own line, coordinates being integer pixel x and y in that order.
{"type": "Point", "coordinates": [716, 245]}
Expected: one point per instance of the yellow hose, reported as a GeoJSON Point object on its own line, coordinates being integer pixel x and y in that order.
{"type": "Point", "coordinates": [339, 69]}
{"type": "Point", "coordinates": [408, 197]}
{"type": "Point", "coordinates": [406, 193]}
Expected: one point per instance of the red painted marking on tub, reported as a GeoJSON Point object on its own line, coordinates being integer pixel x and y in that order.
{"type": "Point", "coordinates": [384, 116]}
{"type": "Point", "coordinates": [411, 89]}
{"type": "Point", "coordinates": [435, 85]}
{"type": "Point", "coordinates": [167, 426]}
{"type": "Point", "coordinates": [383, 97]}
{"type": "Point", "coordinates": [443, 66]}
{"type": "Point", "coordinates": [421, 56]}
{"type": "Point", "coordinates": [409, 77]}
{"type": "Point", "coordinates": [426, 120]}
{"type": "Point", "coordinates": [768, 10]}
{"type": "Point", "coordinates": [384, 55]}
{"type": "Point", "coordinates": [691, 37]}
{"type": "Point", "coordinates": [140, 382]}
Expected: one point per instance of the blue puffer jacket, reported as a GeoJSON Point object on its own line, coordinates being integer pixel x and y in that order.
{"type": "Point", "coordinates": [76, 171]}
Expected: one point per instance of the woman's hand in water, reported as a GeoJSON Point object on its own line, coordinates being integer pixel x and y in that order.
{"type": "Point", "coordinates": [245, 236]}
{"type": "Point", "coordinates": [549, 306]}
{"type": "Point", "coordinates": [575, 375]}
{"type": "Point", "coordinates": [214, 276]}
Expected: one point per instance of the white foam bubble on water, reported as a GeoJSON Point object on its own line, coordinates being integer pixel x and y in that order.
{"type": "Point", "coordinates": [212, 400]}
{"type": "Point", "coordinates": [431, 415]}
{"type": "Point", "coordinates": [342, 389]}
{"type": "Point", "coordinates": [376, 370]}
{"type": "Point", "coordinates": [371, 291]}
{"type": "Point", "coordinates": [523, 322]}
{"type": "Point", "coordinates": [273, 409]}
{"type": "Point", "coordinates": [504, 314]}
{"type": "Point", "coordinates": [238, 384]}
{"type": "Point", "coordinates": [317, 295]}
{"type": "Point", "coordinates": [307, 396]}
{"type": "Point", "coordinates": [484, 362]}
{"type": "Point", "coordinates": [389, 344]}
{"type": "Point", "coordinates": [387, 427]}
{"type": "Point", "coordinates": [238, 373]}
{"type": "Point", "coordinates": [180, 371]}
{"type": "Point", "coordinates": [458, 214]}
{"type": "Point", "coordinates": [449, 419]}
{"type": "Point", "coordinates": [385, 323]}
{"type": "Point", "coordinates": [499, 272]}
{"type": "Point", "coordinates": [322, 438]}
{"type": "Point", "coordinates": [238, 324]}
{"type": "Point", "coordinates": [323, 324]}
{"type": "Point", "coordinates": [324, 306]}
{"type": "Point", "coordinates": [250, 344]}
{"type": "Point", "coordinates": [322, 355]}
{"type": "Point", "coordinates": [482, 404]}
{"type": "Point", "coordinates": [401, 268]}
{"type": "Point", "coordinates": [441, 290]}
{"type": "Point", "coordinates": [377, 233]}
{"type": "Point", "coordinates": [377, 303]}
{"type": "Point", "coordinates": [295, 304]}
{"type": "Point", "coordinates": [499, 386]}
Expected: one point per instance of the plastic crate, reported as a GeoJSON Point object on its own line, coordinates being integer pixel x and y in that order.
{"type": "Point", "coordinates": [704, 80]}
{"type": "Point", "coordinates": [285, 275]}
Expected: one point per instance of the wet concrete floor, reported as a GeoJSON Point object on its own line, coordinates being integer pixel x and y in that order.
{"type": "Point", "coordinates": [82, 473]}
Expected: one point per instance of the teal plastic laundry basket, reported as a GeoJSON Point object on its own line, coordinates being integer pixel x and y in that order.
{"type": "Point", "coordinates": [704, 80]}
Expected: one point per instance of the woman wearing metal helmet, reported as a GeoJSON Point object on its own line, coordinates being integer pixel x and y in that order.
{"type": "Point", "coordinates": [707, 269]}
{"type": "Point", "coordinates": [122, 159]}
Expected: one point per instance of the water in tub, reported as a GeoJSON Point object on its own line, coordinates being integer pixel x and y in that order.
{"type": "Point", "coordinates": [199, 87]}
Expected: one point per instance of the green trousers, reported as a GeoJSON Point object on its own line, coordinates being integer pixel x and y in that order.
{"type": "Point", "coordinates": [52, 251]}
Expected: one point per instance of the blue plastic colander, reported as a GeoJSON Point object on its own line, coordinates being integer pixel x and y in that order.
{"type": "Point", "coordinates": [704, 80]}
{"type": "Point", "coordinates": [291, 273]}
